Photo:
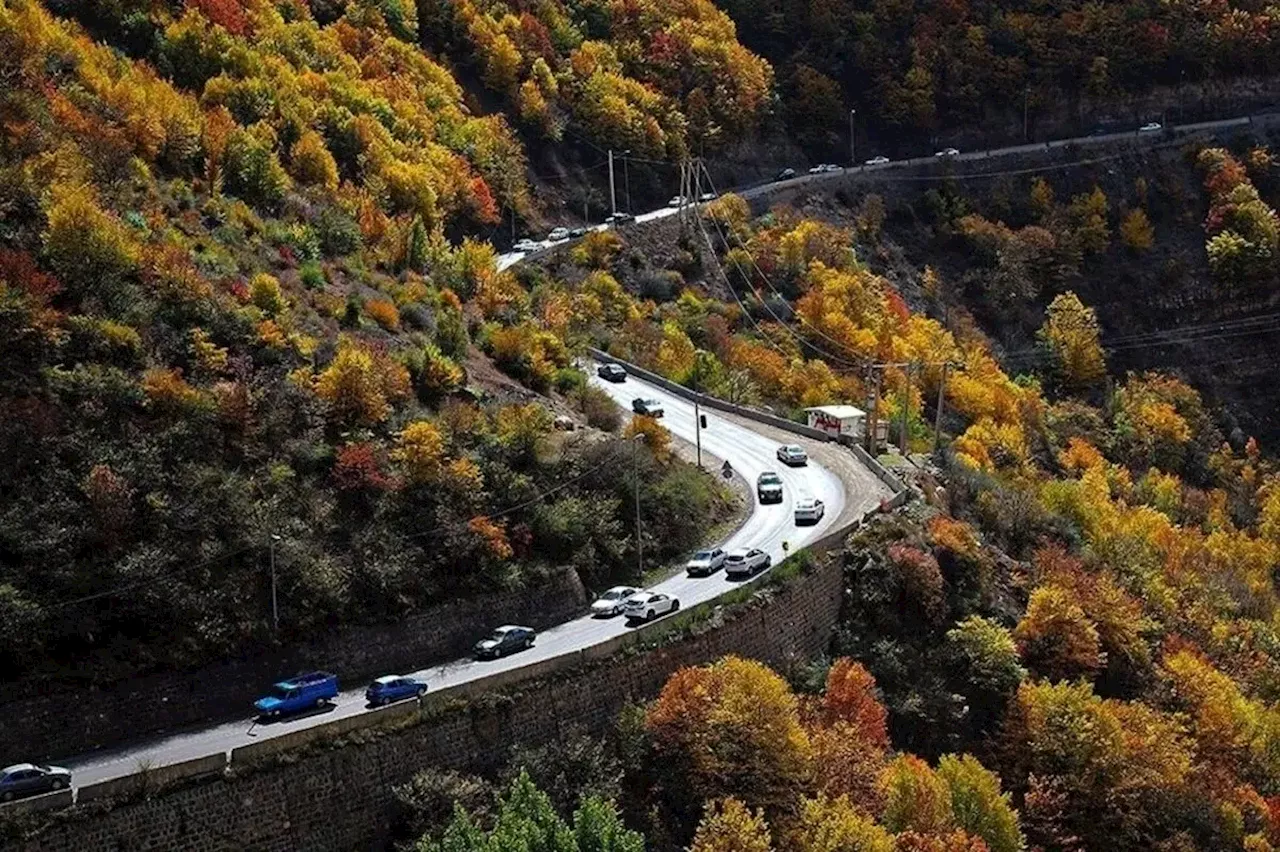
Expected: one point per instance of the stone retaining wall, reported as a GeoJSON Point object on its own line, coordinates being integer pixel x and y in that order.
{"type": "Point", "coordinates": [44, 722]}
{"type": "Point", "coordinates": [340, 798]}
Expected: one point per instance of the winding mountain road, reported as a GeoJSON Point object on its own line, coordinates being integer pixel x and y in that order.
{"type": "Point", "coordinates": [750, 450]}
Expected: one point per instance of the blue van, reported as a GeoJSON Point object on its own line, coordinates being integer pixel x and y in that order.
{"type": "Point", "coordinates": [313, 689]}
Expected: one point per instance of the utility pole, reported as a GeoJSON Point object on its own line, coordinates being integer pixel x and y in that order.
{"type": "Point", "coordinates": [275, 609]}
{"type": "Point", "coordinates": [1026, 93]}
{"type": "Point", "coordinates": [626, 177]}
{"type": "Point", "coordinates": [613, 199]}
{"type": "Point", "coordinates": [697, 422]}
{"type": "Point", "coordinates": [635, 456]}
{"type": "Point", "coordinates": [937, 423]}
{"type": "Point", "coordinates": [853, 151]}
{"type": "Point", "coordinates": [872, 421]}
{"type": "Point", "coordinates": [904, 426]}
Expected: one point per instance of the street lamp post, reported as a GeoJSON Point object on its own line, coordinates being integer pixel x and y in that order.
{"type": "Point", "coordinates": [635, 458]}
{"type": "Point", "coordinates": [853, 151]}
{"type": "Point", "coordinates": [1026, 94]}
{"type": "Point", "coordinates": [626, 176]}
{"type": "Point", "coordinates": [275, 609]}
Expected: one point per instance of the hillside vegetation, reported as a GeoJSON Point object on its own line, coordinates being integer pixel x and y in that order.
{"type": "Point", "coordinates": [233, 329]}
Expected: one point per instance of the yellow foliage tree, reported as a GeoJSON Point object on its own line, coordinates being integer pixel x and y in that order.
{"type": "Point", "coordinates": [835, 825]}
{"type": "Point", "coordinates": [420, 450]}
{"type": "Point", "coordinates": [1070, 333]}
{"type": "Point", "coordinates": [730, 827]}
{"type": "Point", "coordinates": [1136, 231]}
{"type": "Point", "coordinates": [310, 162]}
{"type": "Point", "coordinates": [360, 386]}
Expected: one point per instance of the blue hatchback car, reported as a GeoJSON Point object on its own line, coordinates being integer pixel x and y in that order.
{"type": "Point", "coordinates": [390, 688]}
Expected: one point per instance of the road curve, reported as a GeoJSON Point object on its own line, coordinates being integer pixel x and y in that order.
{"type": "Point", "coordinates": [767, 528]}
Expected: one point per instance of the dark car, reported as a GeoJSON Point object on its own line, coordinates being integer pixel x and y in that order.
{"type": "Point", "coordinates": [390, 688]}
{"type": "Point", "coordinates": [574, 233]}
{"type": "Point", "coordinates": [647, 407]}
{"type": "Point", "coordinates": [619, 218]}
{"type": "Point", "coordinates": [28, 779]}
{"type": "Point", "coordinates": [505, 640]}
{"type": "Point", "coordinates": [785, 174]}
{"type": "Point", "coordinates": [612, 372]}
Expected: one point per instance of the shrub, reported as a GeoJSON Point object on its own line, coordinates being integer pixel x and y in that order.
{"type": "Point", "coordinates": [384, 313]}
{"type": "Point", "coordinates": [600, 409]}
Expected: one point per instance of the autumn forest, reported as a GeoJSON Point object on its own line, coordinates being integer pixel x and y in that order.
{"type": "Point", "coordinates": [251, 313]}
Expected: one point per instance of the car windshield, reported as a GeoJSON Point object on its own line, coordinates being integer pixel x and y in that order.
{"type": "Point", "coordinates": [614, 594]}
{"type": "Point", "coordinates": [770, 479]}
{"type": "Point", "coordinates": [702, 554]}
{"type": "Point", "coordinates": [497, 635]}
{"type": "Point", "coordinates": [279, 692]}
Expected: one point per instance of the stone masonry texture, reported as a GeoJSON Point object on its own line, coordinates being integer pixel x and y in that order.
{"type": "Point", "coordinates": [340, 799]}
{"type": "Point", "coordinates": [46, 722]}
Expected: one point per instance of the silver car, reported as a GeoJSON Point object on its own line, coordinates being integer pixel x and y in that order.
{"type": "Point", "coordinates": [611, 603]}
{"type": "Point", "coordinates": [646, 606]}
{"type": "Point", "coordinates": [746, 562]}
{"type": "Point", "coordinates": [28, 779]}
{"type": "Point", "coordinates": [809, 511]}
{"type": "Point", "coordinates": [704, 563]}
{"type": "Point", "coordinates": [947, 152]}
{"type": "Point", "coordinates": [558, 234]}
{"type": "Point", "coordinates": [877, 161]}
{"type": "Point", "coordinates": [793, 454]}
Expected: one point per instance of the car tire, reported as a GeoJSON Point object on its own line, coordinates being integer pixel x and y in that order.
{"type": "Point", "coordinates": [56, 784]}
{"type": "Point", "coordinates": [319, 703]}
{"type": "Point", "coordinates": [675, 606]}
{"type": "Point", "coordinates": [6, 796]}
{"type": "Point", "coordinates": [422, 690]}
{"type": "Point", "coordinates": [648, 616]}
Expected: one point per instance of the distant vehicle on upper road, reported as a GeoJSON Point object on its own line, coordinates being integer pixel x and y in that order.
{"type": "Point", "coordinates": [947, 152]}
{"type": "Point", "coordinates": [745, 562]}
{"type": "Point", "coordinates": [525, 244]}
{"type": "Point", "coordinates": [793, 454]}
{"type": "Point", "coordinates": [708, 196]}
{"type": "Point", "coordinates": [612, 372]}
{"type": "Point", "coordinates": [677, 200]}
{"type": "Point", "coordinates": [1151, 127]}
{"type": "Point", "coordinates": [646, 605]}
{"type": "Point", "coordinates": [877, 161]}
{"type": "Point", "coordinates": [574, 233]}
{"type": "Point", "coordinates": [28, 779]}
{"type": "Point", "coordinates": [785, 174]}
{"type": "Point", "coordinates": [619, 218]}
{"type": "Point", "coordinates": [648, 407]}
{"type": "Point", "coordinates": [505, 640]}
{"type": "Point", "coordinates": [809, 511]}
{"type": "Point", "coordinates": [824, 168]}
{"type": "Point", "coordinates": [389, 688]}
{"type": "Point", "coordinates": [313, 689]}
{"type": "Point", "coordinates": [558, 234]}
{"type": "Point", "coordinates": [704, 563]}
{"type": "Point", "coordinates": [769, 487]}
{"type": "Point", "coordinates": [612, 602]}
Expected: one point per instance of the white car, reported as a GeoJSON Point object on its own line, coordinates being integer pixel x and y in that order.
{"type": "Point", "coordinates": [525, 244]}
{"type": "Point", "coordinates": [745, 562]}
{"type": "Point", "coordinates": [1150, 127]}
{"type": "Point", "coordinates": [947, 152]}
{"type": "Point", "coordinates": [793, 454]}
{"type": "Point", "coordinates": [558, 234]}
{"type": "Point", "coordinates": [704, 563]}
{"type": "Point", "coordinates": [646, 605]}
{"type": "Point", "coordinates": [647, 407]}
{"type": "Point", "coordinates": [824, 168]}
{"type": "Point", "coordinates": [611, 603]}
{"type": "Point", "coordinates": [877, 161]}
{"type": "Point", "coordinates": [708, 196]}
{"type": "Point", "coordinates": [677, 200]}
{"type": "Point", "coordinates": [809, 511]}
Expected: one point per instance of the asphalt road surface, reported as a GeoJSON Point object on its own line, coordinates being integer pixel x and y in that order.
{"type": "Point", "coordinates": [883, 170]}
{"type": "Point", "coordinates": [767, 528]}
